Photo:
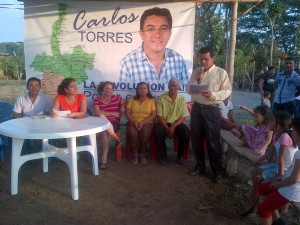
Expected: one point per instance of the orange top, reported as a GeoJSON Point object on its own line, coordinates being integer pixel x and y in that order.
{"type": "Point", "coordinates": [64, 105]}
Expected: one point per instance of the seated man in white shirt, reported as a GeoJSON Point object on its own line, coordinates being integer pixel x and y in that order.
{"type": "Point", "coordinates": [34, 102]}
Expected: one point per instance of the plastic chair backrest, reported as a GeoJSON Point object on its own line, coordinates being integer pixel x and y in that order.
{"type": "Point", "coordinates": [6, 111]}
{"type": "Point", "coordinates": [189, 106]}
{"type": "Point", "coordinates": [89, 112]}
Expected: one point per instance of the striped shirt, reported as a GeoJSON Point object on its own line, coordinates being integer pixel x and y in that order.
{"type": "Point", "coordinates": [286, 87]}
{"type": "Point", "coordinates": [136, 67]}
{"type": "Point", "coordinates": [113, 106]}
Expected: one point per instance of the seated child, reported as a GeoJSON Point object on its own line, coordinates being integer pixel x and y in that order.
{"type": "Point", "coordinates": [279, 157]}
{"type": "Point", "coordinates": [258, 138]}
{"type": "Point", "coordinates": [280, 192]}
{"type": "Point", "coordinates": [227, 117]}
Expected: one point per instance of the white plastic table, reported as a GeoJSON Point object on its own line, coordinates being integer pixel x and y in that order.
{"type": "Point", "coordinates": [52, 128]}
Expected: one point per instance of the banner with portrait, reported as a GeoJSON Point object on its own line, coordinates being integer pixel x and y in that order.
{"type": "Point", "coordinates": [87, 40]}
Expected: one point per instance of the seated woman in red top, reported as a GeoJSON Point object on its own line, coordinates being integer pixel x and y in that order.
{"type": "Point", "coordinates": [69, 99]}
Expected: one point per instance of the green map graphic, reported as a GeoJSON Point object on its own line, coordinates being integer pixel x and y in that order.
{"type": "Point", "coordinates": [67, 65]}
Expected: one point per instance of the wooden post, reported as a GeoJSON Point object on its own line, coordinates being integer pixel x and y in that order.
{"type": "Point", "coordinates": [253, 74]}
{"type": "Point", "coordinates": [232, 42]}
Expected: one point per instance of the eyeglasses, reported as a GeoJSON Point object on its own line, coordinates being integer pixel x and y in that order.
{"type": "Point", "coordinates": [163, 29]}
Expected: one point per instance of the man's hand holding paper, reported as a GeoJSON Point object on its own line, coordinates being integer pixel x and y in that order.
{"type": "Point", "coordinates": [198, 88]}
{"type": "Point", "coordinates": [206, 93]}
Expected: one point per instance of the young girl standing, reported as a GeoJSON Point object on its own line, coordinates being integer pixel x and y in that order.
{"type": "Point", "coordinates": [281, 153]}
{"type": "Point", "coordinates": [279, 193]}
{"type": "Point", "coordinates": [258, 138]}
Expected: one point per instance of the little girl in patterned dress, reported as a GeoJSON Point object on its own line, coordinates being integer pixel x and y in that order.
{"type": "Point", "coordinates": [257, 138]}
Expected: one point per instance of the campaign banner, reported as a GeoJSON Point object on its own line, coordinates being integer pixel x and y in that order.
{"type": "Point", "coordinates": [88, 40]}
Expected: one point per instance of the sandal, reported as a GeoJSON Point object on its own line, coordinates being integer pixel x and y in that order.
{"type": "Point", "coordinates": [117, 142]}
{"type": "Point", "coordinates": [103, 166]}
{"type": "Point", "coordinates": [134, 159]}
{"type": "Point", "coordinates": [143, 159]}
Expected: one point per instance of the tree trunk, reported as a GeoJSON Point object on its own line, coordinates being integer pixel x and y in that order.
{"type": "Point", "coordinates": [272, 22]}
{"type": "Point", "coordinates": [230, 60]}
{"type": "Point", "coordinates": [253, 73]}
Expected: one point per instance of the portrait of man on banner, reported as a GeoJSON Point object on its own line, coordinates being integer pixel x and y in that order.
{"type": "Point", "coordinates": [153, 62]}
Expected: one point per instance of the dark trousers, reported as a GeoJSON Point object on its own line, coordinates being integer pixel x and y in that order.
{"type": "Point", "coordinates": [182, 131]}
{"type": "Point", "coordinates": [297, 103]}
{"type": "Point", "coordinates": [289, 107]}
{"type": "Point", "coordinates": [205, 125]}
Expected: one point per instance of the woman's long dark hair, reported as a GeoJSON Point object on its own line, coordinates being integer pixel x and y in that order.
{"type": "Point", "coordinates": [64, 85]}
{"type": "Point", "coordinates": [137, 95]}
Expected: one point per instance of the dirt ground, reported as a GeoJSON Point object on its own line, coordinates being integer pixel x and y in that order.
{"type": "Point", "coordinates": [122, 194]}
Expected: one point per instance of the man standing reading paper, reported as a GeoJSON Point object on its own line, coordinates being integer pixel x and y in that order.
{"type": "Point", "coordinates": [205, 115]}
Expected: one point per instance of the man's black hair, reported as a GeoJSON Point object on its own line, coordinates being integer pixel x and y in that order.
{"type": "Point", "coordinates": [290, 58]}
{"type": "Point", "coordinates": [271, 68]}
{"type": "Point", "coordinates": [156, 12]}
{"type": "Point", "coordinates": [33, 79]}
{"type": "Point", "coordinates": [205, 50]}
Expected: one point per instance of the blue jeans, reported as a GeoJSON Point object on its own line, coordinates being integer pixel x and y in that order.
{"type": "Point", "coordinates": [269, 171]}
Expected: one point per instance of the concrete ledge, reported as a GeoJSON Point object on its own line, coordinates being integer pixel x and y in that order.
{"type": "Point", "coordinates": [235, 143]}
{"type": "Point", "coordinates": [233, 148]}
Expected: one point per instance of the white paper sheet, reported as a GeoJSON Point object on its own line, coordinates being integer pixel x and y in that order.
{"type": "Point", "coordinates": [197, 88]}
{"type": "Point", "coordinates": [62, 113]}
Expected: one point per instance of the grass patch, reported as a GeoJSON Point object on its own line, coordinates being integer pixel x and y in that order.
{"type": "Point", "coordinates": [245, 120]}
{"type": "Point", "coordinates": [11, 89]}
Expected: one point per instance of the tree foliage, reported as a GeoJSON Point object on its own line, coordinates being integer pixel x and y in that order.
{"type": "Point", "coordinates": [283, 16]}
{"type": "Point", "coordinates": [254, 41]}
{"type": "Point", "coordinates": [210, 32]}
{"type": "Point", "coordinates": [12, 61]}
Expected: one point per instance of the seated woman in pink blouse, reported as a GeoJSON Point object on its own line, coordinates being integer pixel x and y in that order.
{"type": "Point", "coordinates": [108, 106]}
{"type": "Point", "coordinates": [68, 99]}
